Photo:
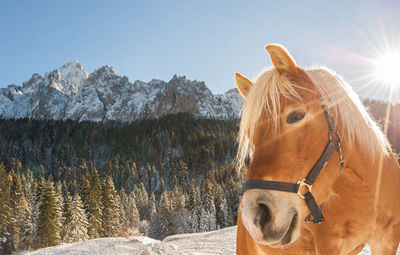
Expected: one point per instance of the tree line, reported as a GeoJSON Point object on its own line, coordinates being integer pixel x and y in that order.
{"type": "Point", "coordinates": [36, 213]}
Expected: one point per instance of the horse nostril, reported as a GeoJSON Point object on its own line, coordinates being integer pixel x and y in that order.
{"type": "Point", "coordinates": [264, 216]}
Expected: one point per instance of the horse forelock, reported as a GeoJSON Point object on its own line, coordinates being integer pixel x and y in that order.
{"type": "Point", "coordinates": [264, 97]}
{"type": "Point", "coordinates": [270, 86]}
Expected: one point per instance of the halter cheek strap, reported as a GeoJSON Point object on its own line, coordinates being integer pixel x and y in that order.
{"type": "Point", "coordinates": [298, 188]}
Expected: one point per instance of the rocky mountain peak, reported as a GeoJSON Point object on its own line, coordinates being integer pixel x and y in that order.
{"type": "Point", "coordinates": [74, 73]}
{"type": "Point", "coordinates": [70, 93]}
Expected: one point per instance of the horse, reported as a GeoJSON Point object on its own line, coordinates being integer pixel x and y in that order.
{"type": "Point", "coordinates": [322, 177]}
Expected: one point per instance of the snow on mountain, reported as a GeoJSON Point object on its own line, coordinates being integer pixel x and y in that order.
{"type": "Point", "coordinates": [70, 93]}
{"type": "Point", "coordinates": [73, 73]}
{"type": "Point", "coordinates": [216, 242]}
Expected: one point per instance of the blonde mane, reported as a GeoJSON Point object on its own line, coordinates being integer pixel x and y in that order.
{"type": "Point", "coordinates": [270, 86]}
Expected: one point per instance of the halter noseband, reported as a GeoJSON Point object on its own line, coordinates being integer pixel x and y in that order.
{"type": "Point", "coordinates": [334, 143]}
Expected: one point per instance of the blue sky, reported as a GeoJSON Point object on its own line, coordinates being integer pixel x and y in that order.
{"type": "Point", "coordinates": [204, 40]}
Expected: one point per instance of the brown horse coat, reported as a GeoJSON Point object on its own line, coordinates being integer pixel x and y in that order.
{"type": "Point", "coordinates": [358, 210]}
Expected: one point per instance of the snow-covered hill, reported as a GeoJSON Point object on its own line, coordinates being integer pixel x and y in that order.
{"type": "Point", "coordinates": [70, 93]}
{"type": "Point", "coordinates": [216, 242]}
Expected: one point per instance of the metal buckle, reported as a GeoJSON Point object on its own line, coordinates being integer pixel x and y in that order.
{"type": "Point", "coordinates": [301, 184]}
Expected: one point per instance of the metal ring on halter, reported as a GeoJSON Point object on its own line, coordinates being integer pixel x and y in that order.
{"type": "Point", "coordinates": [335, 133]}
{"type": "Point", "coordinates": [301, 184]}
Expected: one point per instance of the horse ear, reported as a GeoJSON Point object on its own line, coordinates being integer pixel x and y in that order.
{"type": "Point", "coordinates": [281, 58]}
{"type": "Point", "coordinates": [243, 84]}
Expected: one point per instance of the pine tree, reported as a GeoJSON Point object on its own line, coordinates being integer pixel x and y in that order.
{"type": "Point", "coordinates": [6, 239]}
{"type": "Point", "coordinates": [154, 229]}
{"type": "Point", "coordinates": [48, 218]}
{"type": "Point", "coordinates": [76, 225]}
{"type": "Point", "coordinates": [59, 203]}
{"type": "Point", "coordinates": [182, 172]}
{"type": "Point", "coordinates": [94, 209]}
{"type": "Point", "coordinates": [67, 215]}
{"type": "Point", "coordinates": [27, 185]}
{"type": "Point", "coordinates": [31, 227]}
{"type": "Point", "coordinates": [142, 202]}
{"type": "Point", "coordinates": [160, 189]}
{"type": "Point", "coordinates": [19, 210]}
{"type": "Point", "coordinates": [27, 232]}
{"type": "Point", "coordinates": [122, 215]}
{"type": "Point", "coordinates": [223, 219]}
{"type": "Point", "coordinates": [111, 207]}
{"type": "Point", "coordinates": [208, 221]}
{"type": "Point", "coordinates": [129, 214]}
{"type": "Point", "coordinates": [164, 213]}
{"type": "Point", "coordinates": [180, 217]}
{"type": "Point", "coordinates": [193, 205]}
{"type": "Point", "coordinates": [84, 189]}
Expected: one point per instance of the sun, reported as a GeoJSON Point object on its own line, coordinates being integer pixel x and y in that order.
{"type": "Point", "coordinates": [387, 68]}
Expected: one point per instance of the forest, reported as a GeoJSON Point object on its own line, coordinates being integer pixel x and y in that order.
{"type": "Point", "coordinates": [68, 181]}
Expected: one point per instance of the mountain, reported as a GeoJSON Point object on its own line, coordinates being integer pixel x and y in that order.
{"type": "Point", "coordinates": [70, 93]}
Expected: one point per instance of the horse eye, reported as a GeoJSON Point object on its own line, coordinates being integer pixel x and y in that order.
{"type": "Point", "coordinates": [295, 116]}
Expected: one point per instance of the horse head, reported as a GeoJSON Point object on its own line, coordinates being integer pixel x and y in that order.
{"type": "Point", "coordinates": [284, 131]}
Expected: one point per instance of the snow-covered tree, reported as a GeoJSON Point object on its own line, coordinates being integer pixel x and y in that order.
{"type": "Point", "coordinates": [154, 229]}
{"type": "Point", "coordinates": [223, 218]}
{"type": "Point", "coordinates": [6, 239]}
{"type": "Point", "coordinates": [111, 207]}
{"type": "Point", "coordinates": [59, 203]}
{"type": "Point", "coordinates": [76, 225]}
{"type": "Point", "coordinates": [94, 209]}
{"type": "Point", "coordinates": [180, 216]}
{"type": "Point", "coordinates": [19, 210]}
{"type": "Point", "coordinates": [193, 205]}
{"type": "Point", "coordinates": [129, 214]}
{"type": "Point", "coordinates": [67, 214]}
{"type": "Point", "coordinates": [142, 202]}
{"type": "Point", "coordinates": [48, 218]}
{"type": "Point", "coordinates": [164, 212]}
{"type": "Point", "coordinates": [208, 220]}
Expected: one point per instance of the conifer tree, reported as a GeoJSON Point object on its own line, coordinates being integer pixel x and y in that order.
{"type": "Point", "coordinates": [48, 218]}
{"type": "Point", "coordinates": [27, 185]}
{"type": "Point", "coordinates": [66, 216]}
{"type": "Point", "coordinates": [154, 230]}
{"type": "Point", "coordinates": [182, 172]}
{"type": "Point", "coordinates": [122, 215]}
{"type": "Point", "coordinates": [111, 207]}
{"type": "Point", "coordinates": [27, 232]}
{"type": "Point", "coordinates": [129, 214]}
{"type": "Point", "coordinates": [94, 209]}
{"type": "Point", "coordinates": [180, 217]}
{"type": "Point", "coordinates": [208, 221]}
{"type": "Point", "coordinates": [31, 227]}
{"type": "Point", "coordinates": [164, 211]}
{"type": "Point", "coordinates": [59, 203]}
{"type": "Point", "coordinates": [84, 189]}
{"type": "Point", "coordinates": [160, 189]}
{"type": "Point", "coordinates": [19, 210]}
{"type": "Point", "coordinates": [223, 219]}
{"type": "Point", "coordinates": [6, 239]}
{"type": "Point", "coordinates": [193, 205]}
{"type": "Point", "coordinates": [76, 225]}
{"type": "Point", "coordinates": [142, 202]}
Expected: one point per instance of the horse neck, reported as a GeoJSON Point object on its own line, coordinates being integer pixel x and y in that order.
{"type": "Point", "coordinates": [361, 163]}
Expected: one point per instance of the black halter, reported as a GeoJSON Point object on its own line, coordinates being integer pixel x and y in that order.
{"type": "Point", "coordinates": [334, 143]}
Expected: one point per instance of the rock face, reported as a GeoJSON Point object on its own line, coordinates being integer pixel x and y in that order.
{"type": "Point", "coordinates": [70, 93]}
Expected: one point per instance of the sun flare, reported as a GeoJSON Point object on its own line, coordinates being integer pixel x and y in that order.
{"type": "Point", "coordinates": [387, 68]}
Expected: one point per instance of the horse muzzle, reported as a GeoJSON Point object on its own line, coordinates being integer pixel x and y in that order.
{"type": "Point", "coordinates": [271, 217]}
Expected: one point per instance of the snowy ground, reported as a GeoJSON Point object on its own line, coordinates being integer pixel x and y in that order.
{"type": "Point", "coordinates": [216, 242]}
